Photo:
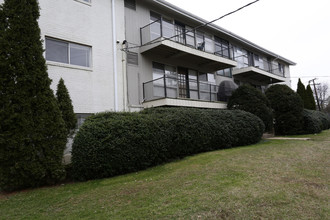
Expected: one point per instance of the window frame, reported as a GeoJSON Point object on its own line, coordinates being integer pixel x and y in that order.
{"type": "Point", "coordinates": [70, 45]}
{"type": "Point", "coordinates": [131, 4]}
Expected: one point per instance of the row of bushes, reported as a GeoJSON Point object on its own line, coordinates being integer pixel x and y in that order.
{"type": "Point", "coordinates": [282, 103]}
{"type": "Point", "coordinates": [110, 144]}
{"type": "Point", "coordinates": [315, 121]}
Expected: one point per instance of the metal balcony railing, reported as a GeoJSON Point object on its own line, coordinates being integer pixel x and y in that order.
{"type": "Point", "coordinates": [170, 87]}
{"type": "Point", "coordinates": [244, 61]}
{"type": "Point", "coordinates": [160, 30]}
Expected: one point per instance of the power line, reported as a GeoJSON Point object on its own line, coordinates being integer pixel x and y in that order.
{"type": "Point", "coordinates": [308, 76]}
{"type": "Point", "coordinates": [194, 29]}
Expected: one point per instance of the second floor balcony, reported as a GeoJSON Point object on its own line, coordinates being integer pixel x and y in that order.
{"type": "Point", "coordinates": [173, 41]}
{"type": "Point", "coordinates": [258, 69]}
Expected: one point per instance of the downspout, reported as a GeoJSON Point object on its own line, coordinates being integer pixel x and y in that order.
{"type": "Point", "coordinates": [125, 86]}
{"type": "Point", "coordinates": [114, 54]}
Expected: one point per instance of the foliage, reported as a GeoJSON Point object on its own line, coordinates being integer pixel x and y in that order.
{"type": "Point", "coordinates": [287, 106]}
{"type": "Point", "coordinates": [32, 132]}
{"type": "Point", "coordinates": [312, 124]}
{"type": "Point", "coordinates": [206, 186]}
{"type": "Point", "coordinates": [65, 105]}
{"type": "Point", "coordinates": [315, 121]}
{"type": "Point", "coordinates": [109, 144]}
{"type": "Point", "coordinates": [302, 92]}
{"type": "Point", "coordinates": [252, 100]}
{"type": "Point", "coordinates": [309, 99]}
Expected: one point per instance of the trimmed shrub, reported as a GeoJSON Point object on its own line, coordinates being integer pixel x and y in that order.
{"type": "Point", "coordinates": [301, 90]}
{"type": "Point", "coordinates": [309, 99]}
{"type": "Point", "coordinates": [110, 144]}
{"type": "Point", "coordinates": [312, 124]}
{"type": "Point", "coordinates": [315, 121]}
{"type": "Point", "coordinates": [250, 99]}
{"type": "Point", "coordinates": [287, 106]}
{"type": "Point", "coordinates": [324, 119]}
{"type": "Point", "coordinates": [66, 107]}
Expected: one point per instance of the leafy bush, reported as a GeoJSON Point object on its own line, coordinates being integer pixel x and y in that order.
{"type": "Point", "coordinates": [32, 131]}
{"type": "Point", "coordinates": [315, 121]}
{"type": "Point", "coordinates": [250, 99]}
{"type": "Point", "coordinates": [324, 119]}
{"type": "Point", "coordinates": [109, 144]}
{"type": "Point", "coordinates": [287, 106]}
{"type": "Point", "coordinates": [312, 124]}
{"type": "Point", "coordinates": [66, 107]}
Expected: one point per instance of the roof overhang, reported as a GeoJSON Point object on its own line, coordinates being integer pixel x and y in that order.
{"type": "Point", "coordinates": [257, 75]}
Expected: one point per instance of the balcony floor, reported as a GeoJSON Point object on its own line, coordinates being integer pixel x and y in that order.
{"type": "Point", "coordinates": [184, 103]}
{"type": "Point", "coordinates": [256, 74]}
{"type": "Point", "coordinates": [174, 52]}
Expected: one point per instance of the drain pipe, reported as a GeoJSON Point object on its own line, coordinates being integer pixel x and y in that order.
{"type": "Point", "coordinates": [114, 54]}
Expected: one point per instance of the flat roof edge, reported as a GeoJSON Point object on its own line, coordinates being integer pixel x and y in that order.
{"type": "Point", "coordinates": [222, 30]}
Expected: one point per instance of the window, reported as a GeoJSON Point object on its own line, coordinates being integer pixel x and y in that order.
{"type": "Point", "coordinates": [155, 27]}
{"type": "Point", "coordinates": [221, 47]}
{"type": "Point", "coordinates": [225, 72]}
{"type": "Point", "coordinates": [209, 45]}
{"type": "Point", "coordinates": [190, 36]}
{"type": "Point", "coordinates": [281, 68]}
{"type": "Point", "coordinates": [241, 56]}
{"type": "Point", "coordinates": [132, 58]}
{"type": "Point", "coordinates": [168, 28]}
{"type": "Point", "coordinates": [67, 52]}
{"type": "Point", "coordinates": [200, 40]}
{"type": "Point", "coordinates": [158, 70]}
{"type": "Point", "coordinates": [130, 4]}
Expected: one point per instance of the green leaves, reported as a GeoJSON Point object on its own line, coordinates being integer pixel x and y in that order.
{"type": "Point", "coordinates": [66, 108]}
{"type": "Point", "coordinates": [252, 100]}
{"type": "Point", "coordinates": [110, 144]}
{"type": "Point", "coordinates": [32, 131]}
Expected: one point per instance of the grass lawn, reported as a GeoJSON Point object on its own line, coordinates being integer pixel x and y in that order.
{"type": "Point", "coordinates": [275, 179]}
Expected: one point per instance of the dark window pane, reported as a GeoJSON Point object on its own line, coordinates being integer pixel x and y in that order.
{"type": "Point", "coordinates": [79, 55]}
{"type": "Point", "coordinates": [57, 51]}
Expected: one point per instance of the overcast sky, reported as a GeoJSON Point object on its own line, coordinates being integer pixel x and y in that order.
{"type": "Point", "coordinates": [298, 30]}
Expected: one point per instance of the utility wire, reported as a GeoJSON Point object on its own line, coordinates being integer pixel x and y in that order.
{"type": "Point", "coordinates": [194, 29]}
{"type": "Point", "coordinates": [308, 76]}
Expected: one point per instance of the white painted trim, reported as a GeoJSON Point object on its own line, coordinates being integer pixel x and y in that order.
{"type": "Point", "coordinates": [114, 54]}
{"type": "Point", "coordinates": [66, 65]}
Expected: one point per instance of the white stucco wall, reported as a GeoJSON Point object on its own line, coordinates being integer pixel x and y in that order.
{"type": "Point", "coordinates": [91, 89]}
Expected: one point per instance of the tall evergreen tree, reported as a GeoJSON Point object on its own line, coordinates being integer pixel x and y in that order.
{"type": "Point", "coordinates": [32, 131]}
{"type": "Point", "coordinates": [65, 105]}
{"type": "Point", "coordinates": [301, 91]}
{"type": "Point", "coordinates": [310, 101]}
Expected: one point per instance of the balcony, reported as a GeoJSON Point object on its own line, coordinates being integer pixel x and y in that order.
{"type": "Point", "coordinates": [173, 42]}
{"type": "Point", "coordinates": [172, 91]}
{"type": "Point", "coordinates": [262, 71]}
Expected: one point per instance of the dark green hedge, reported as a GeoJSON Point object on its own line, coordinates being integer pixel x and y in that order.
{"type": "Point", "coordinates": [287, 106]}
{"type": "Point", "coordinates": [312, 124]}
{"type": "Point", "coordinates": [315, 121]}
{"type": "Point", "coordinates": [250, 99]}
{"type": "Point", "coordinates": [109, 144]}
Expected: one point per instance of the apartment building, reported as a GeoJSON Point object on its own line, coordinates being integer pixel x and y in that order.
{"type": "Point", "coordinates": [180, 61]}
{"type": "Point", "coordinates": [126, 55]}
